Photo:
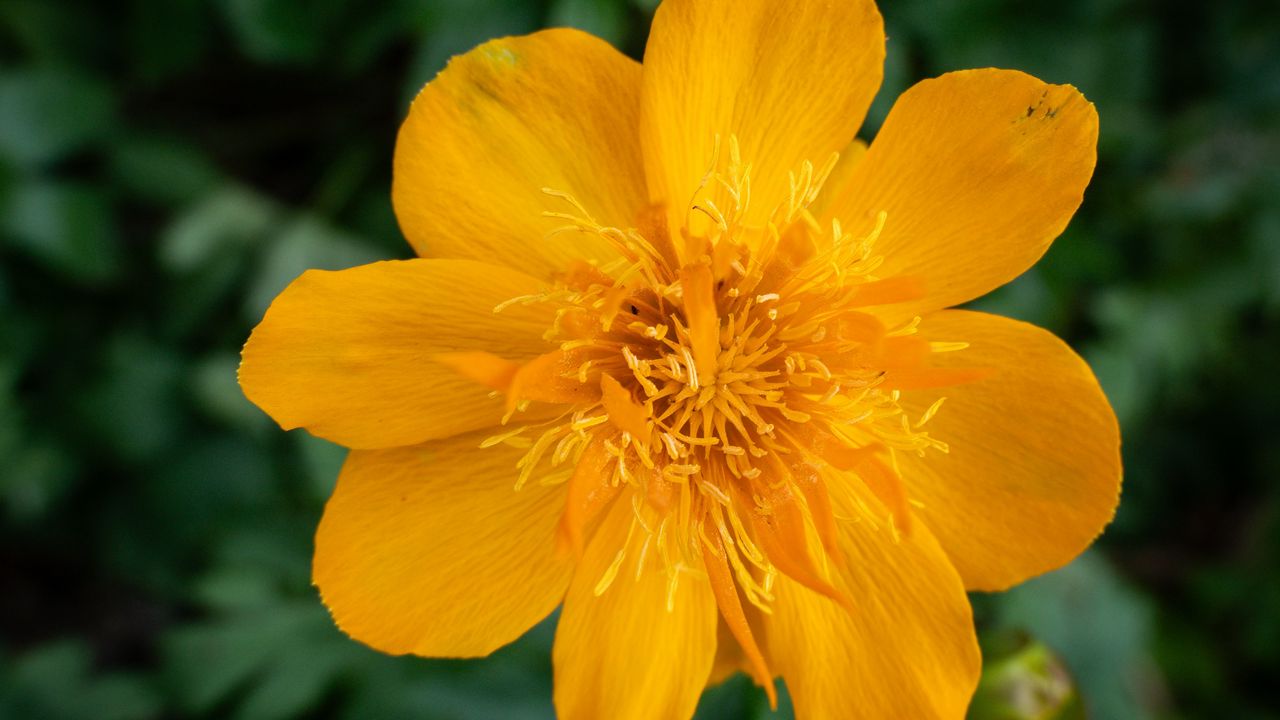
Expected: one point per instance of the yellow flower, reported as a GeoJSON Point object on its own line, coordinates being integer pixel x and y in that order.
{"type": "Point", "coordinates": [668, 362]}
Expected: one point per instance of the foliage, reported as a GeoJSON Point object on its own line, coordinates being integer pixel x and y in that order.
{"type": "Point", "coordinates": [167, 166]}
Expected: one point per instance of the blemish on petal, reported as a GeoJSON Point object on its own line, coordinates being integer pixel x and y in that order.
{"type": "Point", "coordinates": [500, 54]}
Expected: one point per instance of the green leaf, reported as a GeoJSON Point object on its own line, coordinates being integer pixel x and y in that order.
{"type": "Point", "coordinates": [207, 663]}
{"type": "Point", "coordinates": [282, 31]}
{"type": "Point", "coordinates": [38, 474]}
{"type": "Point", "coordinates": [206, 484]}
{"type": "Point", "coordinates": [55, 682]}
{"type": "Point", "coordinates": [1266, 255]}
{"type": "Point", "coordinates": [237, 588]}
{"type": "Point", "coordinates": [163, 171]}
{"type": "Point", "coordinates": [227, 221]}
{"type": "Point", "coordinates": [49, 113]}
{"type": "Point", "coordinates": [166, 37]}
{"type": "Point", "coordinates": [133, 405]}
{"type": "Point", "coordinates": [605, 19]}
{"type": "Point", "coordinates": [70, 228]}
{"type": "Point", "coordinates": [281, 548]}
{"type": "Point", "coordinates": [299, 676]}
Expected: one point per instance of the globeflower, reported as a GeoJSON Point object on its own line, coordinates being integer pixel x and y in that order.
{"type": "Point", "coordinates": [677, 357]}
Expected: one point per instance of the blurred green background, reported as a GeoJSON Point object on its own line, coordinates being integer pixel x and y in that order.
{"type": "Point", "coordinates": [167, 166]}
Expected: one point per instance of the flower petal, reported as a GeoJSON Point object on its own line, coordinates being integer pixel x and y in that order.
{"type": "Point", "coordinates": [790, 80]}
{"type": "Point", "coordinates": [1033, 472]}
{"type": "Point", "coordinates": [349, 355]}
{"type": "Point", "coordinates": [429, 549]}
{"type": "Point", "coordinates": [557, 109]}
{"type": "Point", "coordinates": [623, 655]}
{"type": "Point", "coordinates": [977, 172]}
{"type": "Point", "coordinates": [907, 649]}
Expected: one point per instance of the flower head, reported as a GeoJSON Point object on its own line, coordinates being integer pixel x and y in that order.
{"type": "Point", "coordinates": [677, 356]}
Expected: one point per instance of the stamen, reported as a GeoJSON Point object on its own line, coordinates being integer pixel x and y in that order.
{"type": "Point", "coordinates": [612, 571]}
{"type": "Point", "coordinates": [928, 414]}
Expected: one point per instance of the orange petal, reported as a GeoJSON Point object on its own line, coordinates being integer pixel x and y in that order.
{"type": "Point", "coordinates": [778, 527]}
{"type": "Point", "coordinates": [624, 412]}
{"type": "Point", "coordinates": [840, 174]}
{"type": "Point", "coordinates": [429, 550]}
{"type": "Point", "coordinates": [551, 378]}
{"type": "Point", "coordinates": [794, 248]}
{"type": "Point", "coordinates": [356, 356]}
{"type": "Point", "coordinates": [612, 305]}
{"type": "Point", "coordinates": [581, 275]}
{"type": "Point", "coordinates": [729, 656]}
{"type": "Point", "coordinates": [590, 492]}
{"type": "Point", "coordinates": [791, 81]}
{"type": "Point", "coordinates": [1033, 472]}
{"type": "Point", "coordinates": [889, 291]}
{"type": "Point", "coordinates": [903, 352]}
{"type": "Point", "coordinates": [815, 493]}
{"type": "Point", "coordinates": [726, 593]}
{"type": "Point", "coordinates": [557, 109]}
{"type": "Point", "coordinates": [977, 172]}
{"type": "Point", "coordinates": [832, 450]}
{"type": "Point", "coordinates": [703, 317]}
{"type": "Point", "coordinates": [929, 377]}
{"type": "Point", "coordinates": [623, 655]}
{"type": "Point", "coordinates": [863, 328]}
{"type": "Point", "coordinates": [881, 479]}
{"type": "Point", "coordinates": [485, 368]}
{"type": "Point", "coordinates": [906, 650]}
{"type": "Point", "coordinates": [888, 488]}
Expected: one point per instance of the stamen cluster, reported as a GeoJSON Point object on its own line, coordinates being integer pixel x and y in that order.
{"type": "Point", "coordinates": [726, 378]}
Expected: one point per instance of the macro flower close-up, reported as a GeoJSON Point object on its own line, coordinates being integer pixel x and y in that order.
{"type": "Point", "coordinates": [679, 356]}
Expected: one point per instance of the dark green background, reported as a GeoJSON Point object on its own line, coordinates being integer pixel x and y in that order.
{"type": "Point", "coordinates": [167, 166]}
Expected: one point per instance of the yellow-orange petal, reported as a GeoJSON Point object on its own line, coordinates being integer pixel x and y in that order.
{"type": "Point", "coordinates": [977, 171]}
{"type": "Point", "coordinates": [735, 619]}
{"type": "Point", "coordinates": [589, 494]}
{"type": "Point", "coordinates": [818, 498]}
{"type": "Point", "coordinates": [791, 81]}
{"type": "Point", "coordinates": [703, 318]}
{"type": "Point", "coordinates": [551, 378]}
{"type": "Point", "coordinates": [902, 288]}
{"type": "Point", "coordinates": [557, 109]}
{"type": "Point", "coordinates": [485, 368]}
{"type": "Point", "coordinates": [623, 655]}
{"type": "Point", "coordinates": [840, 174]}
{"type": "Point", "coordinates": [429, 550]}
{"type": "Point", "coordinates": [354, 356]}
{"type": "Point", "coordinates": [930, 377]}
{"type": "Point", "coordinates": [1033, 472]}
{"type": "Point", "coordinates": [730, 658]}
{"type": "Point", "coordinates": [624, 412]}
{"type": "Point", "coordinates": [885, 483]}
{"type": "Point", "coordinates": [906, 649]}
{"type": "Point", "coordinates": [779, 528]}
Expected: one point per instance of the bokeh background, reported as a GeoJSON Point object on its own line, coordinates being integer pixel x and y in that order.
{"type": "Point", "coordinates": [167, 166]}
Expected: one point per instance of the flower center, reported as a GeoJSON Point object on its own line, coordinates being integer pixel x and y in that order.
{"type": "Point", "coordinates": [729, 377]}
